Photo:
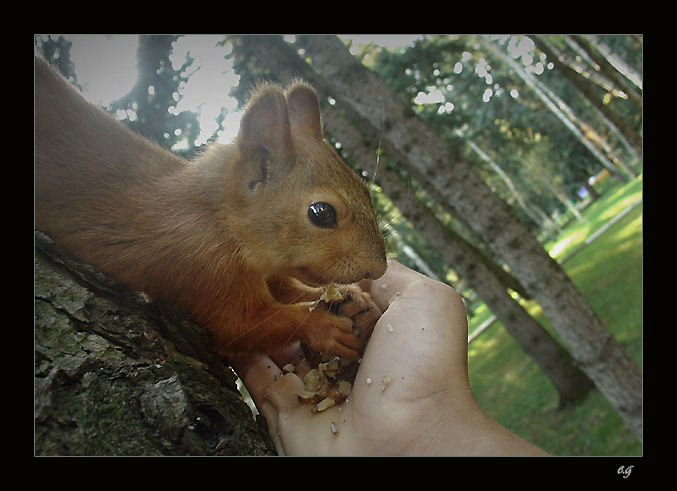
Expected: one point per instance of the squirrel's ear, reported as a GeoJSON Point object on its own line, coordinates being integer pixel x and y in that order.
{"type": "Point", "coordinates": [264, 127]}
{"type": "Point", "coordinates": [304, 110]}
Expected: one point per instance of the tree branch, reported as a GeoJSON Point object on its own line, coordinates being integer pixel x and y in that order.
{"type": "Point", "coordinates": [116, 374]}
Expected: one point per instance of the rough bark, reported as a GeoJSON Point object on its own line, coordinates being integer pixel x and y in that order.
{"type": "Point", "coordinates": [458, 187]}
{"type": "Point", "coordinates": [116, 374]}
{"type": "Point", "coordinates": [555, 362]}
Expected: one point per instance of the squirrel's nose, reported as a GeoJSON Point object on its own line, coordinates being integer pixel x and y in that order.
{"type": "Point", "coordinates": [376, 271]}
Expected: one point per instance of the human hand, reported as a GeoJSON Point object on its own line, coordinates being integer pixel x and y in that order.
{"type": "Point", "coordinates": [426, 408]}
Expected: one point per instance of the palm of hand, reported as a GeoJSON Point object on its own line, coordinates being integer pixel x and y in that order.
{"type": "Point", "coordinates": [413, 368]}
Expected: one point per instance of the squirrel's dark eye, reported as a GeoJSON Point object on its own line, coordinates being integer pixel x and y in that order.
{"type": "Point", "coordinates": [322, 214]}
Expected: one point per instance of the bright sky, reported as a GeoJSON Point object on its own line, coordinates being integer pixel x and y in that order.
{"type": "Point", "coordinates": [390, 41]}
{"type": "Point", "coordinates": [106, 67]}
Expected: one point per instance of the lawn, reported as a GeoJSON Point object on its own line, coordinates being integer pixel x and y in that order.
{"type": "Point", "coordinates": [608, 271]}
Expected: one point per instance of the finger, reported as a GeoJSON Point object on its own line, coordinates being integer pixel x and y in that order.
{"type": "Point", "coordinates": [282, 393]}
{"type": "Point", "coordinates": [270, 414]}
{"type": "Point", "coordinates": [272, 392]}
{"type": "Point", "coordinates": [289, 354]}
{"type": "Point", "coordinates": [291, 359]}
{"type": "Point", "coordinates": [280, 398]}
{"type": "Point", "coordinates": [257, 372]}
{"type": "Point", "coordinates": [419, 312]}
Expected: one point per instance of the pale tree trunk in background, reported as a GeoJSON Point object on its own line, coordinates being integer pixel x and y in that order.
{"type": "Point", "coordinates": [623, 131]}
{"type": "Point", "coordinates": [436, 166]}
{"type": "Point", "coordinates": [536, 214]}
{"type": "Point", "coordinates": [610, 63]}
{"type": "Point", "coordinates": [603, 73]}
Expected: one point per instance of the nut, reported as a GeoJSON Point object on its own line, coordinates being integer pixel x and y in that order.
{"type": "Point", "coordinates": [324, 404]}
{"type": "Point", "coordinates": [331, 294]}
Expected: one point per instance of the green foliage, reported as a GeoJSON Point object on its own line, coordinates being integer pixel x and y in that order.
{"type": "Point", "coordinates": [149, 107]}
{"type": "Point", "coordinates": [57, 50]}
{"type": "Point", "coordinates": [455, 84]}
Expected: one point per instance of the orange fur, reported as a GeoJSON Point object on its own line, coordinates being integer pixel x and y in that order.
{"type": "Point", "coordinates": [227, 235]}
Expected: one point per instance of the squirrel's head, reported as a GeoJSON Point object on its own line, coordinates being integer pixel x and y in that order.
{"type": "Point", "coordinates": [299, 209]}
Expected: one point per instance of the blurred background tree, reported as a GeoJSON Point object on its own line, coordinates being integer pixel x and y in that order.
{"type": "Point", "coordinates": [150, 107]}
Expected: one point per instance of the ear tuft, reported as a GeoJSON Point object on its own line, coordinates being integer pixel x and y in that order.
{"type": "Point", "coordinates": [304, 109]}
{"type": "Point", "coordinates": [265, 125]}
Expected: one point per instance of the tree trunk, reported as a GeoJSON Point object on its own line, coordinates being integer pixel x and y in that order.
{"type": "Point", "coordinates": [117, 375]}
{"type": "Point", "coordinates": [613, 120]}
{"type": "Point", "coordinates": [580, 129]}
{"type": "Point", "coordinates": [436, 165]}
{"type": "Point", "coordinates": [569, 381]}
{"type": "Point", "coordinates": [537, 214]}
{"type": "Point", "coordinates": [608, 62]}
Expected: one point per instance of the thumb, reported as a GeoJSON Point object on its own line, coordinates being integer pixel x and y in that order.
{"type": "Point", "coordinates": [392, 284]}
{"type": "Point", "coordinates": [281, 393]}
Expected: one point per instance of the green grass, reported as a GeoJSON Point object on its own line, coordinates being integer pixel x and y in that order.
{"type": "Point", "coordinates": [511, 388]}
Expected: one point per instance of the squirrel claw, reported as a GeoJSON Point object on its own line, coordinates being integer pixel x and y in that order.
{"type": "Point", "coordinates": [336, 338]}
{"type": "Point", "coordinates": [364, 313]}
{"type": "Point", "coordinates": [353, 320]}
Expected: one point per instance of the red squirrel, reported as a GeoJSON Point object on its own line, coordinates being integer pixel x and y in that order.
{"type": "Point", "coordinates": [244, 236]}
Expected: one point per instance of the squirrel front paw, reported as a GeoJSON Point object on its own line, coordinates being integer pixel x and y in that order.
{"type": "Point", "coordinates": [348, 318]}
{"type": "Point", "coordinates": [334, 336]}
{"type": "Point", "coordinates": [358, 306]}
